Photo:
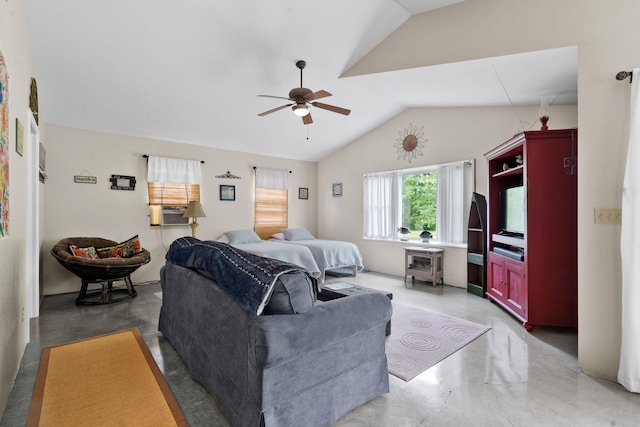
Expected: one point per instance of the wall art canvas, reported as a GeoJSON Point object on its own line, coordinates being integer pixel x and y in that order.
{"type": "Point", "coordinates": [4, 149]}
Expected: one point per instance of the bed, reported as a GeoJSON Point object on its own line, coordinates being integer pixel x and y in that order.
{"type": "Point", "coordinates": [249, 241]}
{"type": "Point", "coordinates": [328, 254]}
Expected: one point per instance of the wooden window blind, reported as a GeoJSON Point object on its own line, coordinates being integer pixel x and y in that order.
{"type": "Point", "coordinates": [271, 211]}
{"type": "Point", "coordinates": [164, 193]}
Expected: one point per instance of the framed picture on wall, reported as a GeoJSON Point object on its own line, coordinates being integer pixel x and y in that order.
{"type": "Point", "coordinates": [336, 190]}
{"type": "Point", "coordinates": [227, 192]}
{"type": "Point", "coordinates": [19, 137]}
{"type": "Point", "coordinates": [123, 182]}
{"type": "Point", "coordinates": [303, 193]}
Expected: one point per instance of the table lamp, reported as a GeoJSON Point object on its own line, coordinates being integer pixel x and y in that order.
{"type": "Point", "coordinates": [194, 211]}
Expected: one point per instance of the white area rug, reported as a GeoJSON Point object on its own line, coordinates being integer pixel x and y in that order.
{"type": "Point", "coordinates": [419, 339]}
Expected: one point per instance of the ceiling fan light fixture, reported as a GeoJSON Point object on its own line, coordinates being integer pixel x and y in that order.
{"type": "Point", "coordinates": [300, 110]}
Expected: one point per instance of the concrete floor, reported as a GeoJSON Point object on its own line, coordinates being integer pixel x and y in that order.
{"type": "Point", "coordinates": [507, 377]}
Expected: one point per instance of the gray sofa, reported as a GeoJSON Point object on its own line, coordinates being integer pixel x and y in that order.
{"type": "Point", "coordinates": [302, 369]}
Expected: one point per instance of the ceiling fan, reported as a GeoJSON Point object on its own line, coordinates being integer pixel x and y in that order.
{"type": "Point", "coordinates": [303, 98]}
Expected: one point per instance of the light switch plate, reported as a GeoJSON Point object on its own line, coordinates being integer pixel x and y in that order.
{"type": "Point", "coordinates": [607, 216]}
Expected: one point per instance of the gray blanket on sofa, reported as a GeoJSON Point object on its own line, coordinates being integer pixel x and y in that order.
{"type": "Point", "coordinates": [248, 278]}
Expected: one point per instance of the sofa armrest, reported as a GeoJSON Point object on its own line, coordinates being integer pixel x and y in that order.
{"type": "Point", "coordinates": [276, 338]}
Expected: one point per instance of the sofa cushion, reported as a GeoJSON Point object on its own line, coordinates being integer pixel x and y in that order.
{"type": "Point", "coordinates": [297, 234]}
{"type": "Point", "coordinates": [86, 253]}
{"type": "Point", "coordinates": [292, 293]}
{"type": "Point", "coordinates": [242, 236]}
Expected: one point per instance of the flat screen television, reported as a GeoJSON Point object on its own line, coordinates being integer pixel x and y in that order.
{"type": "Point", "coordinates": [512, 210]}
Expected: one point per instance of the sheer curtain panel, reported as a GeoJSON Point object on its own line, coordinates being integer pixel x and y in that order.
{"type": "Point", "coordinates": [175, 171]}
{"type": "Point", "coordinates": [629, 369]}
{"type": "Point", "coordinates": [455, 185]}
{"type": "Point", "coordinates": [272, 178]}
{"type": "Point", "coordinates": [382, 195]}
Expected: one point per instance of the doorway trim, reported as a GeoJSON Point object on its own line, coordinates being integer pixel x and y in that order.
{"type": "Point", "coordinates": [33, 222]}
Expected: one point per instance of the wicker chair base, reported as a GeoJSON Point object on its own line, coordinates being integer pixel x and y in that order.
{"type": "Point", "coordinates": [107, 294]}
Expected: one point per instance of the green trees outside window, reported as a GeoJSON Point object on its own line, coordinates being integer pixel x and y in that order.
{"type": "Point", "coordinates": [419, 195]}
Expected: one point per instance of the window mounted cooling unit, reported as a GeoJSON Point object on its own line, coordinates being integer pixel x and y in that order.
{"type": "Point", "coordinates": [172, 215]}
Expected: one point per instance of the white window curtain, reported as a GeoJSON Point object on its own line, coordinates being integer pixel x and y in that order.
{"type": "Point", "coordinates": [629, 368]}
{"type": "Point", "coordinates": [272, 178]}
{"type": "Point", "coordinates": [455, 185]}
{"type": "Point", "coordinates": [382, 195]}
{"type": "Point", "coordinates": [175, 171]}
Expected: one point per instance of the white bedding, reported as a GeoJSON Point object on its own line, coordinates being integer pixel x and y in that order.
{"type": "Point", "coordinates": [330, 254]}
{"type": "Point", "coordinates": [298, 255]}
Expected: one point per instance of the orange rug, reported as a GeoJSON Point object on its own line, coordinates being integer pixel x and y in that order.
{"type": "Point", "coordinates": [109, 380]}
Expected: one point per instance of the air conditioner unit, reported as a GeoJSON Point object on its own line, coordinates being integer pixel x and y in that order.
{"type": "Point", "coordinates": [173, 216]}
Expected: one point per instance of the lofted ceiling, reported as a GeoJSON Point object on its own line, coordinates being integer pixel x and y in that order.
{"type": "Point", "coordinates": [190, 71]}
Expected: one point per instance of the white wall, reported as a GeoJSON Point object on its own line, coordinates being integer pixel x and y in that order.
{"type": "Point", "coordinates": [453, 134]}
{"type": "Point", "coordinates": [16, 49]}
{"type": "Point", "coordinates": [607, 35]}
{"type": "Point", "coordinates": [96, 210]}
{"type": "Point", "coordinates": [604, 132]}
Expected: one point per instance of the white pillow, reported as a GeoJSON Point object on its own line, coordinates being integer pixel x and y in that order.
{"type": "Point", "coordinates": [223, 238]}
{"type": "Point", "coordinates": [243, 236]}
{"type": "Point", "coordinates": [278, 236]}
{"type": "Point", "coordinates": [297, 234]}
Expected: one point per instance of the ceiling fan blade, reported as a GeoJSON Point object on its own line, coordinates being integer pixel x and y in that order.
{"type": "Point", "coordinates": [331, 108]}
{"type": "Point", "coordinates": [276, 97]}
{"type": "Point", "coordinates": [317, 95]}
{"type": "Point", "coordinates": [275, 109]}
{"type": "Point", "coordinates": [307, 119]}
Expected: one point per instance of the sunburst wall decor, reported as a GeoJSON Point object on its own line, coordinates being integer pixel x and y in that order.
{"type": "Point", "coordinates": [410, 142]}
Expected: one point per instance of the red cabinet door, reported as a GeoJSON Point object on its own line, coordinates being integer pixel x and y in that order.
{"type": "Point", "coordinates": [495, 277]}
{"type": "Point", "coordinates": [516, 292]}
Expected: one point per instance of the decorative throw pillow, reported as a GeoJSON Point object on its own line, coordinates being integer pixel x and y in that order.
{"type": "Point", "coordinates": [131, 247]}
{"type": "Point", "coordinates": [243, 236]}
{"type": "Point", "coordinates": [278, 236]}
{"type": "Point", "coordinates": [297, 234]}
{"type": "Point", "coordinates": [110, 252]}
{"type": "Point", "coordinates": [126, 249]}
{"type": "Point", "coordinates": [86, 253]}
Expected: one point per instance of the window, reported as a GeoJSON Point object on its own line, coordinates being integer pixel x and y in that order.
{"type": "Point", "coordinates": [271, 201]}
{"type": "Point", "coordinates": [171, 183]}
{"type": "Point", "coordinates": [407, 202]}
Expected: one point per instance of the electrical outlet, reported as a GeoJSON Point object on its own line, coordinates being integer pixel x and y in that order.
{"type": "Point", "coordinates": [607, 216]}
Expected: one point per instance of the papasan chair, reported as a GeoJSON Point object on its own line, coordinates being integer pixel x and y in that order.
{"type": "Point", "coordinates": [103, 270]}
